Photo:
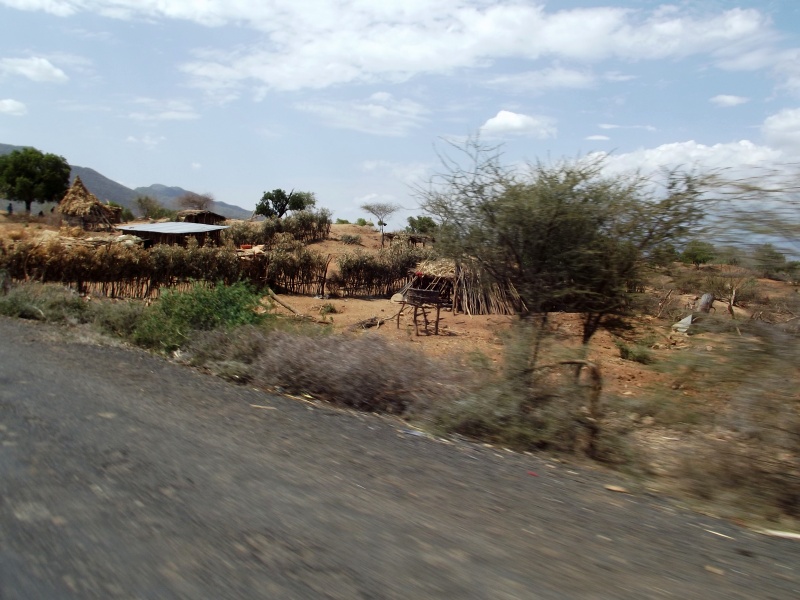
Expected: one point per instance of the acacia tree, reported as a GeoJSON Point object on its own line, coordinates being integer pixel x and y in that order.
{"type": "Point", "coordinates": [277, 202]}
{"type": "Point", "coordinates": [193, 201]}
{"type": "Point", "coordinates": [381, 211]}
{"type": "Point", "coordinates": [30, 176]}
{"type": "Point", "coordinates": [566, 237]}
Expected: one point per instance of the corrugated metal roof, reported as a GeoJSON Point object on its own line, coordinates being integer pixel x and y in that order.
{"type": "Point", "coordinates": [176, 228]}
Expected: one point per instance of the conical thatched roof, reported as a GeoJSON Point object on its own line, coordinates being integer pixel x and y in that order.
{"type": "Point", "coordinates": [79, 204]}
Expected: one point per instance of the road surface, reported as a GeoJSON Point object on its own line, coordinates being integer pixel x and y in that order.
{"type": "Point", "coordinates": [125, 476]}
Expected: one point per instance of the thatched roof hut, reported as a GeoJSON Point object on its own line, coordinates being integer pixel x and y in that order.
{"type": "Point", "coordinates": [200, 216]}
{"type": "Point", "coordinates": [466, 286]}
{"type": "Point", "coordinates": [81, 208]}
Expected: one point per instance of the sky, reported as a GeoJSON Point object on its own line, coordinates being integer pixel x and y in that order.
{"type": "Point", "coordinates": [355, 99]}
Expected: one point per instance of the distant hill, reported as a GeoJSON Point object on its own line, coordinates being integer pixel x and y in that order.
{"type": "Point", "coordinates": [109, 190]}
{"type": "Point", "coordinates": [168, 196]}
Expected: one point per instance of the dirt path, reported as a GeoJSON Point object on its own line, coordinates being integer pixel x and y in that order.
{"type": "Point", "coordinates": [124, 476]}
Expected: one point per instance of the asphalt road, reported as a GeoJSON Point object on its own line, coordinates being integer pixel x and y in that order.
{"type": "Point", "coordinates": [125, 476]}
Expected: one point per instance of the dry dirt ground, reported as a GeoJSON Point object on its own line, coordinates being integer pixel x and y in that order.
{"type": "Point", "coordinates": [461, 333]}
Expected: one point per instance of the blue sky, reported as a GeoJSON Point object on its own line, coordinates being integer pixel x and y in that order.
{"type": "Point", "coordinates": [351, 98]}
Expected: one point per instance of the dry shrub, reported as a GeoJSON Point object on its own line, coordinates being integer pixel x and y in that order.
{"type": "Point", "coordinates": [309, 226]}
{"type": "Point", "coordinates": [364, 274]}
{"type": "Point", "coordinates": [751, 458]}
{"type": "Point", "coordinates": [363, 372]}
{"type": "Point", "coordinates": [243, 232]}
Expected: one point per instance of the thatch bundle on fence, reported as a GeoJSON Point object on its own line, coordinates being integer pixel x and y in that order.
{"type": "Point", "coordinates": [81, 208]}
{"type": "Point", "coordinates": [466, 285]}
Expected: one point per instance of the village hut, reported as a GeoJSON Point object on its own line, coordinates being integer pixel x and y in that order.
{"type": "Point", "coordinates": [205, 217]}
{"type": "Point", "coordinates": [174, 233]}
{"type": "Point", "coordinates": [81, 208]}
{"type": "Point", "coordinates": [464, 286]}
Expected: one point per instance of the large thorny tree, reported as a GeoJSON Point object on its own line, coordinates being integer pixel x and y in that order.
{"type": "Point", "coordinates": [565, 236]}
{"type": "Point", "coordinates": [30, 176]}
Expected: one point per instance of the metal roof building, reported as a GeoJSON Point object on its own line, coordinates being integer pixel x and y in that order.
{"type": "Point", "coordinates": [176, 233]}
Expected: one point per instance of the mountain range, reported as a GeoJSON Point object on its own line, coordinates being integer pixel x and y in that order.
{"type": "Point", "coordinates": [108, 189]}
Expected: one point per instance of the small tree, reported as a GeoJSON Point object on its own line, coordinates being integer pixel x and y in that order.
{"type": "Point", "coordinates": [422, 224]}
{"type": "Point", "coordinates": [565, 237]}
{"type": "Point", "coordinates": [152, 208]}
{"type": "Point", "coordinates": [30, 176]}
{"type": "Point", "coordinates": [698, 253]}
{"type": "Point", "coordinates": [192, 201]}
{"type": "Point", "coordinates": [277, 202]}
{"type": "Point", "coordinates": [769, 261]}
{"type": "Point", "coordinates": [381, 211]}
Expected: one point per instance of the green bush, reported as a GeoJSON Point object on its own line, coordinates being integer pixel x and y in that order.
{"type": "Point", "coordinates": [168, 323]}
{"type": "Point", "coordinates": [351, 240]}
{"type": "Point", "coordinates": [637, 353]}
{"type": "Point", "coordinates": [342, 222]}
{"type": "Point", "coordinates": [42, 302]}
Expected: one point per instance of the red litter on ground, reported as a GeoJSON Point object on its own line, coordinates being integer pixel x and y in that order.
{"type": "Point", "coordinates": [532, 474]}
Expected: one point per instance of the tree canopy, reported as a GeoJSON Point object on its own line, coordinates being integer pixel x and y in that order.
{"type": "Point", "coordinates": [153, 209]}
{"type": "Point", "coordinates": [565, 237]}
{"type": "Point", "coordinates": [381, 211]}
{"type": "Point", "coordinates": [193, 201]}
{"type": "Point", "coordinates": [277, 202]}
{"type": "Point", "coordinates": [421, 224]}
{"type": "Point", "coordinates": [29, 176]}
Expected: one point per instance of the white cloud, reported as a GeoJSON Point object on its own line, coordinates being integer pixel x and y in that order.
{"type": "Point", "coordinates": [597, 138]}
{"type": "Point", "coordinates": [148, 140]}
{"type": "Point", "coordinates": [11, 107]}
{"type": "Point", "coordinates": [167, 110]}
{"type": "Point", "coordinates": [737, 158]}
{"type": "Point", "coordinates": [615, 126]}
{"type": "Point", "coordinates": [783, 130]}
{"type": "Point", "coordinates": [545, 80]}
{"type": "Point", "coordinates": [510, 123]}
{"type": "Point", "coordinates": [356, 41]}
{"type": "Point", "coordinates": [319, 43]}
{"type": "Point", "coordinates": [36, 69]}
{"type": "Point", "coordinates": [617, 77]}
{"type": "Point", "coordinates": [726, 100]}
{"type": "Point", "coordinates": [379, 114]}
{"type": "Point", "coordinates": [406, 172]}
{"type": "Point", "coordinates": [196, 166]}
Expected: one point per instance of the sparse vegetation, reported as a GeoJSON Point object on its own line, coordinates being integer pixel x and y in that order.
{"type": "Point", "coordinates": [726, 392]}
{"type": "Point", "coordinates": [351, 240]}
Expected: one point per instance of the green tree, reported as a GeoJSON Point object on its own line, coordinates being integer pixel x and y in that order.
{"type": "Point", "coordinates": [277, 202]}
{"type": "Point", "coordinates": [381, 211]}
{"type": "Point", "coordinates": [150, 208]}
{"type": "Point", "coordinates": [698, 253]}
{"type": "Point", "coordinates": [565, 237]}
{"type": "Point", "coordinates": [769, 261]}
{"type": "Point", "coordinates": [30, 176]}
{"type": "Point", "coordinates": [422, 224]}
